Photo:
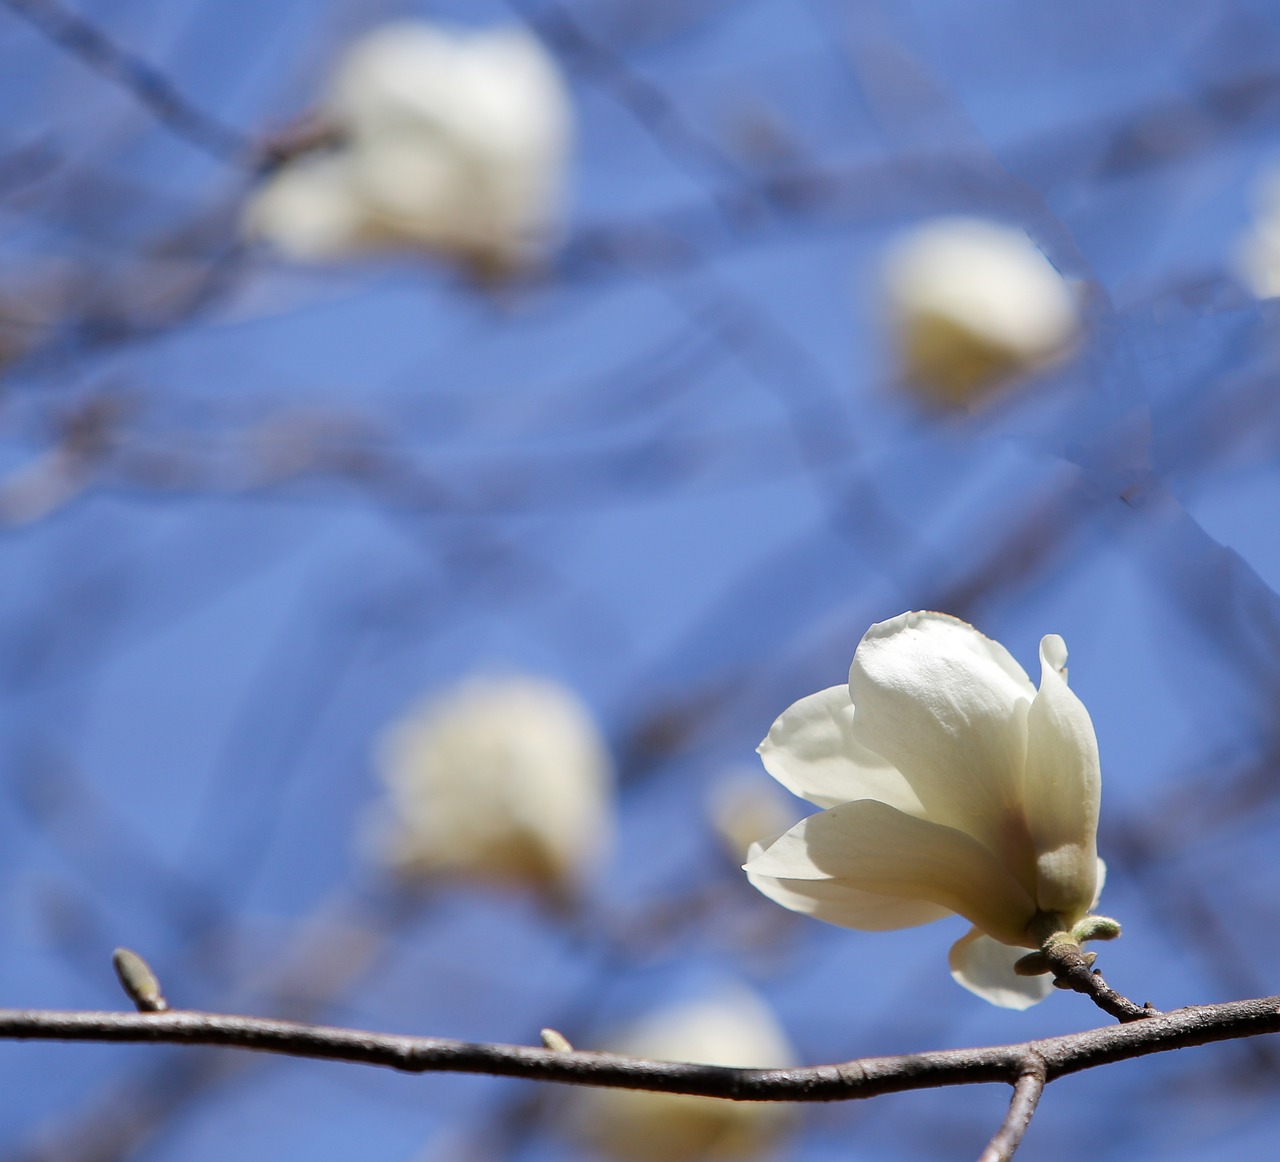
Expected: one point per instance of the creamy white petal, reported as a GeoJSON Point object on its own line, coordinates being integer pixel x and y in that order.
{"type": "Point", "coordinates": [872, 847]}
{"type": "Point", "coordinates": [837, 903]}
{"type": "Point", "coordinates": [812, 752]}
{"type": "Point", "coordinates": [1062, 789]}
{"type": "Point", "coordinates": [1102, 883]}
{"type": "Point", "coordinates": [985, 966]}
{"type": "Point", "coordinates": [947, 707]}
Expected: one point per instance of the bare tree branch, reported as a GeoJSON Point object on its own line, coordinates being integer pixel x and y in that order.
{"type": "Point", "coordinates": [1026, 1096]}
{"type": "Point", "coordinates": [860, 1078]}
{"type": "Point", "coordinates": [152, 89]}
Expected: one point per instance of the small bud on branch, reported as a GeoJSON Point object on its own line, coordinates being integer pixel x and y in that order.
{"type": "Point", "coordinates": [138, 981]}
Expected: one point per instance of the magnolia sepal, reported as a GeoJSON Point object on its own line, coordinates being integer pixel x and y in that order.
{"type": "Point", "coordinates": [1033, 964]}
{"type": "Point", "coordinates": [1096, 928]}
{"type": "Point", "coordinates": [1055, 941]}
{"type": "Point", "coordinates": [1047, 929]}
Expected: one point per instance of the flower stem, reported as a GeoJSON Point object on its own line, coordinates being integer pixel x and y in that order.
{"type": "Point", "coordinates": [1073, 969]}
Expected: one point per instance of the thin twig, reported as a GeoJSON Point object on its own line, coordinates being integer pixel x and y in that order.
{"type": "Point", "coordinates": [647, 101]}
{"type": "Point", "coordinates": [1026, 1096]}
{"type": "Point", "coordinates": [862, 1078]}
{"type": "Point", "coordinates": [1072, 969]}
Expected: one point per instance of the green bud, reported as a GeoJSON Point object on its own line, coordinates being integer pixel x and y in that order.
{"type": "Point", "coordinates": [1033, 964]}
{"type": "Point", "coordinates": [138, 981]}
{"type": "Point", "coordinates": [1096, 928]}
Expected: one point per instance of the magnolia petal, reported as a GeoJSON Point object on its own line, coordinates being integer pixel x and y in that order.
{"type": "Point", "coordinates": [837, 903]}
{"type": "Point", "coordinates": [1102, 883]}
{"type": "Point", "coordinates": [946, 706]}
{"type": "Point", "coordinates": [1062, 788]}
{"type": "Point", "coordinates": [811, 751]}
{"type": "Point", "coordinates": [873, 847]}
{"type": "Point", "coordinates": [985, 967]}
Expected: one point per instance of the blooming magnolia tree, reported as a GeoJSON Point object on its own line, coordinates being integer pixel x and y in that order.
{"type": "Point", "coordinates": [437, 441]}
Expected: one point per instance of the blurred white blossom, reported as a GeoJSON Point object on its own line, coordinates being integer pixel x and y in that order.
{"type": "Point", "coordinates": [743, 811]}
{"type": "Point", "coordinates": [973, 303]}
{"type": "Point", "coordinates": [448, 140]}
{"type": "Point", "coordinates": [735, 1028]}
{"type": "Point", "coordinates": [500, 779]}
{"type": "Point", "coordinates": [951, 785]}
{"type": "Point", "coordinates": [1257, 256]}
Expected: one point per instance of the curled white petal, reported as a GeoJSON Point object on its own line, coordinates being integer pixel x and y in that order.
{"type": "Point", "coordinates": [874, 848]}
{"type": "Point", "coordinates": [837, 903]}
{"type": "Point", "coordinates": [946, 706]}
{"type": "Point", "coordinates": [1063, 785]}
{"type": "Point", "coordinates": [985, 967]}
{"type": "Point", "coordinates": [811, 750]}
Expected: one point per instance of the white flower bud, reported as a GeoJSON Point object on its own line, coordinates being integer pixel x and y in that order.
{"type": "Point", "coordinates": [449, 141]}
{"type": "Point", "coordinates": [734, 1029]}
{"type": "Point", "coordinates": [973, 303]}
{"type": "Point", "coordinates": [503, 780]}
{"type": "Point", "coordinates": [743, 812]}
{"type": "Point", "coordinates": [1257, 257]}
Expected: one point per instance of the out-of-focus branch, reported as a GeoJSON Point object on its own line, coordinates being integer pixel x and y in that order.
{"type": "Point", "coordinates": [860, 1078]}
{"type": "Point", "coordinates": [660, 114]}
{"type": "Point", "coordinates": [149, 86]}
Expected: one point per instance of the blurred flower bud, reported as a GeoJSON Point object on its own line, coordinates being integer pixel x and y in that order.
{"type": "Point", "coordinates": [744, 812]}
{"type": "Point", "coordinates": [736, 1028]}
{"type": "Point", "coordinates": [445, 140]}
{"type": "Point", "coordinates": [974, 303]}
{"type": "Point", "coordinates": [1257, 257]}
{"type": "Point", "coordinates": [500, 779]}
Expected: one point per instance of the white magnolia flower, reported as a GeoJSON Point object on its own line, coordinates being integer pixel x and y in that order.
{"type": "Point", "coordinates": [450, 141]}
{"type": "Point", "coordinates": [1257, 256]}
{"type": "Point", "coordinates": [950, 785]}
{"type": "Point", "coordinates": [972, 303]}
{"type": "Point", "coordinates": [504, 780]}
{"type": "Point", "coordinates": [736, 1028]}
